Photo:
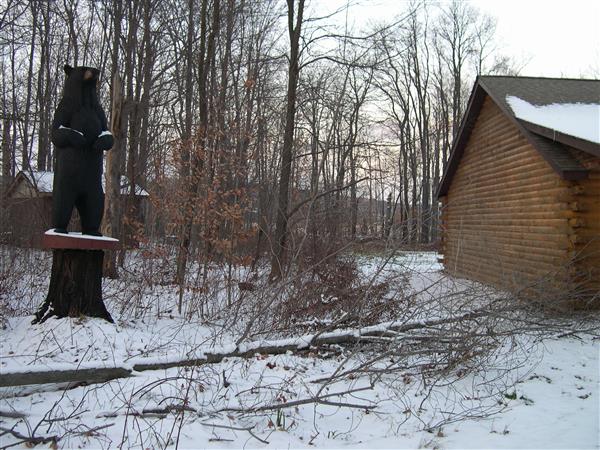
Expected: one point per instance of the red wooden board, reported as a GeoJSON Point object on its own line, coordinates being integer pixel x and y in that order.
{"type": "Point", "coordinates": [78, 241]}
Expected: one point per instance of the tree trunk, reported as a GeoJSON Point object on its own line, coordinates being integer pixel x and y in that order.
{"type": "Point", "coordinates": [186, 172]}
{"type": "Point", "coordinates": [26, 154]}
{"type": "Point", "coordinates": [280, 238]}
{"type": "Point", "coordinates": [6, 155]}
{"type": "Point", "coordinates": [112, 205]}
{"type": "Point", "coordinates": [44, 91]}
{"type": "Point", "coordinates": [75, 286]}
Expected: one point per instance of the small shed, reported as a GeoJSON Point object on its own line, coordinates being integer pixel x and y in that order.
{"type": "Point", "coordinates": [28, 203]}
{"type": "Point", "coordinates": [521, 192]}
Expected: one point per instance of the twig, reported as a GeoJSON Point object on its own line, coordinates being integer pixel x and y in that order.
{"type": "Point", "coordinates": [320, 399]}
{"type": "Point", "coordinates": [229, 427]}
{"type": "Point", "coordinates": [27, 439]}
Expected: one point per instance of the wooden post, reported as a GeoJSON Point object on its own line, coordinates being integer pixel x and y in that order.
{"type": "Point", "coordinates": [76, 278]}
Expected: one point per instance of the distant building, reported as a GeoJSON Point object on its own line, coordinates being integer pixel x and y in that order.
{"type": "Point", "coordinates": [28, 212]}
{"type": "Point", "coordinates": [521, 193]}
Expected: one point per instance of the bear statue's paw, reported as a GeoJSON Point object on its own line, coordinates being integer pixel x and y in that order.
{"type": "Point", "coordinates": [105, 133]}
{"type": "Point", "coordinates": [104, 142]}
{"type": "Point", "coordinates": [69, 137]}
{"type": "Point", "coordinates": [61, 230]}
{"type": "Point", "coordinates": [70, 129]}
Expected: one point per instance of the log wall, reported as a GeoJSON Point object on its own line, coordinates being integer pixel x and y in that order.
{"type": "Point", "coordinates": [506, 216]}
{"type": "Point", "coordinates": [585, 247]}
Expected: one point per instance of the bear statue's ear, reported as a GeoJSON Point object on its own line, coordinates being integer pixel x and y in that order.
{"type": "Point", "coordinates": [67, 69]}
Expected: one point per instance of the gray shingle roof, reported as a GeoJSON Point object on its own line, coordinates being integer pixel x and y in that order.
{"type": "Point", "coordinates": [543, 91]}
{"type": "Point", "coordinates": [537, 91]}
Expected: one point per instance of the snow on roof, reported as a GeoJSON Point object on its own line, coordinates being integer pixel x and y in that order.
{"type": "Point", "coordinates": [41, 179]}
{"type": "Point", "coordinates": [44, 181]}
{"type": "Point", "coordinates": [581, 120]}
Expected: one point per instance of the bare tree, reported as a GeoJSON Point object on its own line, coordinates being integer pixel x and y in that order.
{"type": "Point", "coordinates": [295, 20]}
{"type": "Point", "coordinates": [457, 36]}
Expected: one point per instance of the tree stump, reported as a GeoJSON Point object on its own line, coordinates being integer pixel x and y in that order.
{"type": "Point", "coordinates": [76, 278]}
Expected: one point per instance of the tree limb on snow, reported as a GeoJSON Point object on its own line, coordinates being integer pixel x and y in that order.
{"type": "Point", "coordinates": [317, 399]}
{"type": "Point", "coordinates": [93, 375]}
{"type": "Point", "coordinates": [338, 337]}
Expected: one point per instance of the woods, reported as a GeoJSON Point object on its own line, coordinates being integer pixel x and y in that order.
{"type": "Point", "coordinates": [297, 195]}
{"type": "Point", "coordinates": [273, 129]}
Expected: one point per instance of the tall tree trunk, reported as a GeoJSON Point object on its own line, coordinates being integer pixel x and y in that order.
{"type": "Point", "coordinates": [7, 156]}
{"type": "Point", "coordinates": [25, 153]}
{"type": "Point", "coordinates": [43, 92]}
{"type": "Point", "coordinates": [118, 122]}
{"type": "Point", "coordinates": [147, 83]}
{"type": "Point", "coordinates": [186, 173]}
{"type": "Point", "coordinates": [112, 204]}
{"type": "Point", "coordinates": [353, 198]}
{"type": "Point", "coordinates": [280, 238]}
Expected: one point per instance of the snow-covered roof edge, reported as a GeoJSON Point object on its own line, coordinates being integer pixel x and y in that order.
{"type": "Point", "coordinates": [580, 120]}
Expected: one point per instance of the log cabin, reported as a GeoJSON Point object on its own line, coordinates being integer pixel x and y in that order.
{"type": "Point", "coordinates": [28, 208]}
{"type": "Point", "coordinates": [521, 192]}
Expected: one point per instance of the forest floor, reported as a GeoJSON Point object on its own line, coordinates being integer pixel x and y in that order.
{"type": "Point", "coordinates": [549, 399]}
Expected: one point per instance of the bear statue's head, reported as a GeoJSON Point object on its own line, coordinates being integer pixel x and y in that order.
{"type": "Point", "coordinates": [81, 84]}
{"type": "Point", "coordinates": [87, 74]}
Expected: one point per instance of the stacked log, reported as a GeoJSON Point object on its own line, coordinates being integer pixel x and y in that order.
{"type": "Point", "coordinates": [508, 216]}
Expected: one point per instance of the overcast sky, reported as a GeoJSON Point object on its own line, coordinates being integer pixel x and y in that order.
{"type": "Point", "coordinates": [555, 38]}
{"type": "Point", "coordinates": [558, 38]}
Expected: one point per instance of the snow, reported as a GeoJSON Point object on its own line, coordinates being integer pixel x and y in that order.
{"type": "Point", "coordinates": [42, 179]}
{"type": "Point", "coordinates": [105, 133]}
{"type": "Point", "coordinates": [78, 235]}
{"type": "Point", "coordinates": [555, 406]}
{"type": "Point", "coordinates": [550, 400]}
{"type": "Point", "coordinates": [580, 120]}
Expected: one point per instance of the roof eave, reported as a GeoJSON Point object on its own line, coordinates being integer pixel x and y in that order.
{"type": "Point", "coordinates": [464, 132]}
{"type": "Point", "coordinates": [566, 139]}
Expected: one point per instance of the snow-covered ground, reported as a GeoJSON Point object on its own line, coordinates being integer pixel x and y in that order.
{"type": "Point", "coordinates": [549, 398]}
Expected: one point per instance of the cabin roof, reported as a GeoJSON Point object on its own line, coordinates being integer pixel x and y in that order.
{"type": "Point", "coordinates": [550, 112]}
{"type": "Point", "coordinates": [42, 182]}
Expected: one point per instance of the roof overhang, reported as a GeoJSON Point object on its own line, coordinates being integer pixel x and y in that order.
{"type": "Point", "coordinates": [556, 136]}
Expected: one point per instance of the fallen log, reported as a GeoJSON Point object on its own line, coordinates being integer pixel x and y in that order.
{"type": "Point", "coordinates": [88, 375]}
{"type": "Point", "coordinates": [92, 375]}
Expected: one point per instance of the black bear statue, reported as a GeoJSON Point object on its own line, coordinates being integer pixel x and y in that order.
{"type": "Point", "coordinates": [80, 135]}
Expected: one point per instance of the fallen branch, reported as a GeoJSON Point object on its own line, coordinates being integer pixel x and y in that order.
{"type": "Point", "coordinates": [161, 413]}
{"type": "Point", "coordinates": [244, 350]}
{"type": "Point", "coordinates": [29, 440]}
{"type": "Point", "coordinates": [319, 399]}
{"type": "Point", "coordinates": [33, 440]}
{"type": "Point", "coordinates": [92, 375]}
{"type": "Point", "coordinates": [12, 414]}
